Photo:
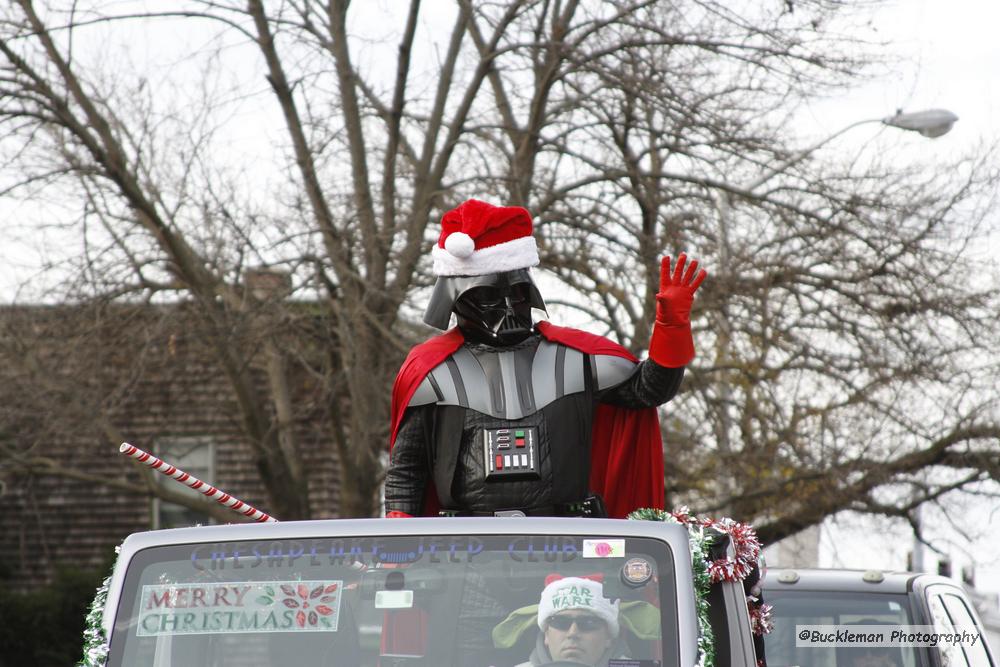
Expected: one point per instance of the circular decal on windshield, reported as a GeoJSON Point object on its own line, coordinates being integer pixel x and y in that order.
{"type": "Point", "coordinates": [636, 571]}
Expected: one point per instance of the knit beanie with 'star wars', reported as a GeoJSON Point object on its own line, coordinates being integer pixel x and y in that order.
{"type": "Point", "coordinates": [577, 594]}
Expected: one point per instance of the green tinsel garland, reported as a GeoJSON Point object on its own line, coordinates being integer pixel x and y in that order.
{"type": "Point", "coordinates": [95, 644]}
{"type": "Point", "coordinates": [699, 543]}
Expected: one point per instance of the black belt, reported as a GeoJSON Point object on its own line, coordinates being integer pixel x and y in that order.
{"type": "Point", "coordinates": [592, 506]}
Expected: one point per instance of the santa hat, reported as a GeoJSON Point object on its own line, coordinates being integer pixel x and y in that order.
{"type": "Point", "coordinates": [478, 238]}
{"type": "Point", "coordinates": [577, 593]}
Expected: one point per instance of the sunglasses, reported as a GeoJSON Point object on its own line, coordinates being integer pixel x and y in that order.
{"type": "Point", "coordinates": [583, 623]}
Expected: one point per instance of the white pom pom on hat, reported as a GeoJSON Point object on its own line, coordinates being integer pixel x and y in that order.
{"type": "Point", "coordinates": [459, 245]}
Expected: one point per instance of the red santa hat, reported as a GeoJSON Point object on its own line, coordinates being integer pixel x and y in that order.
{"type": "Point", "coordinates": [478, 238]}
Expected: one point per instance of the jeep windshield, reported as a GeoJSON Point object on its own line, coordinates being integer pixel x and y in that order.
{"type": "Point", "coordinates": [805, 607]}
{"type": "Point", "coordinates": [464, 600]}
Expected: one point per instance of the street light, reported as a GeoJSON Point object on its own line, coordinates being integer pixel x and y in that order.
{"type": "Point", "coordinates": [929, 123]}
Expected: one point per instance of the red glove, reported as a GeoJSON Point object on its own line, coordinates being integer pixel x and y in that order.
{"type": "Point", "coordinates": [396, 514]}
{"type": "Point", "coordinates": [671, 344]}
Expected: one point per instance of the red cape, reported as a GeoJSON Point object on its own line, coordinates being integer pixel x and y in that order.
{"type": "Point", "coordinates": [626, 466]}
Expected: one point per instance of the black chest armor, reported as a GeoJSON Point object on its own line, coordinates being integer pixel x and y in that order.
{"type": "Point", "coordinates": [509, 428]}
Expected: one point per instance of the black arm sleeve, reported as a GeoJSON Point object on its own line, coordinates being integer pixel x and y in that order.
{"type": "Point", "coordinates": [650, 385]}
{"type": "Point", "coordinates": [406, 478]}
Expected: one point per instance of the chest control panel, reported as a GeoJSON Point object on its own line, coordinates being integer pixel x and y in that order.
{"type": "Point", "coordinates": [510, 453]}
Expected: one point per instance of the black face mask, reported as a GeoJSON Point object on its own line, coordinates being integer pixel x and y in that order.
{"type": "Point", "coordinates": [449, 290]}
{"type": "Point", "coordinates": [497, 315]}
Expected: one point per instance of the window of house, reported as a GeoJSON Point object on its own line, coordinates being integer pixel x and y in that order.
{"type": "Point", "coordinates": [195, 456]}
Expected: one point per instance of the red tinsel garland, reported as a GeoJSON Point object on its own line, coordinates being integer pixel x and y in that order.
{"type": "Point", "coordinates": [744, 540]}
{"type": "Point", "coordinates": [745, 544]}
{"type": "Point", "coordinates": [761, 621]}
{"type": "Point", "coordinates": [747, 551]}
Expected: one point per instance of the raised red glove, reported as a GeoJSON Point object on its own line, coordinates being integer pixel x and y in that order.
{"type": "Point", "coordinates": [671, 344]}
{"type": "Point", "coordinates": [396, 514]}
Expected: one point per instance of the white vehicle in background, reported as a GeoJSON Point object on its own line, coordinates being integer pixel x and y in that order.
{"type": "Point", "coordinates": [852, 598]}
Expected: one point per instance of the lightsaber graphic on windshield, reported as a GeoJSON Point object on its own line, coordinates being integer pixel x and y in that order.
{"type": "Point", "coordinates": [176, 474]}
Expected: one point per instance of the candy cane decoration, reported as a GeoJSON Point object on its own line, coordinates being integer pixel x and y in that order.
{"type": "Point", "coordinates": [179, 475]}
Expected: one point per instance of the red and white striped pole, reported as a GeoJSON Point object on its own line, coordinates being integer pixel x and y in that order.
{"type": "Point", "coordinates": [179, 475]}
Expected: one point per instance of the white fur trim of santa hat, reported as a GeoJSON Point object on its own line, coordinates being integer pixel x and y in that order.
{"type": "Point", "coordinates": [578, 594]}
{"type": "Point", "coordinates": [458, 259]}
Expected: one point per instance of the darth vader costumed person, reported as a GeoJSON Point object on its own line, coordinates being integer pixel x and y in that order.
{"type": "Point", "coordinates": [504, 416]}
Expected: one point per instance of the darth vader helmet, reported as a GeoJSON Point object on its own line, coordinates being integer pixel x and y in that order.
{"type": "Point", "coordinates": [494, 309]}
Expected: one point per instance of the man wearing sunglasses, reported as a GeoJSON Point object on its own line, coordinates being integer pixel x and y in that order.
{"type": "Point", "coordinates": [578, 624]}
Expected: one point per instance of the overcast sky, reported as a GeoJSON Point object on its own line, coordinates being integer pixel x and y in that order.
{"type": "Point", "coordinates": [951, 60]}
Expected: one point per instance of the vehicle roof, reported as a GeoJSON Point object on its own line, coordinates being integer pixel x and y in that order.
{"type": "Point", "coordinates": [389, 527]}
{"type": "Point", "coordinates": [849, 581]}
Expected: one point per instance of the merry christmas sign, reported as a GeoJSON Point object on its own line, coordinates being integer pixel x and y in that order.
{"type": "Point", "coordinates": [238, 607]}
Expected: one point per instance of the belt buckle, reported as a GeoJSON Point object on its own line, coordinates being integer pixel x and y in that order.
{"type": "Point", "coordinates": [593, 507]}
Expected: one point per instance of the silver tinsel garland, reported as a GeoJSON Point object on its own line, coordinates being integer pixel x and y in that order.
{"type": "Point", "coordinates": [95, 643]}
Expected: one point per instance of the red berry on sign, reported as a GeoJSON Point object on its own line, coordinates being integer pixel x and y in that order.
{"type": "Point", "coordinates": [316, 592]}
{"type": "Point", "coordinates": [287, 590]}
{"type": "Point", "coordinates": [303, 591]}
{"type": "Point", "coordinates": [291, 604]}
{"type": "Point", "coordinates": [331, 588]}
{"type": "Point", "coordinates": [300, 618]}
{"type": "Point", "coordinates": [323, 609]}
{"type": "Point", "coordinates": [313, 618]}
